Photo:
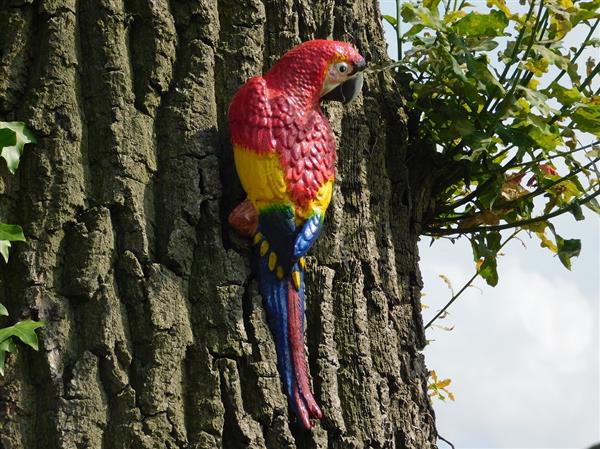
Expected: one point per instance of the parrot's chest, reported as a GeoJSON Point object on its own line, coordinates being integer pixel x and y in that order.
{"type": "Point", "coordinates": [307, 155]}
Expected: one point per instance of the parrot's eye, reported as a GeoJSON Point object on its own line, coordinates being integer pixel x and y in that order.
{"type": "Point", "coordinates": [342, 67]}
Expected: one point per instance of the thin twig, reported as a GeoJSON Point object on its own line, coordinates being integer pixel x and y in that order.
{"type": "Point", "coordinates": [398, 30]}
{"type": "Point", "coordinates": [464, 287]}
{"type": "Point", "coordinates": [539, 191]}
{"type": "Point", "coordinates": [445, 441]}
{"type": "Point", "coordinates": [581, 48]}
{"type": "Point", "coordinates": [568, 208]}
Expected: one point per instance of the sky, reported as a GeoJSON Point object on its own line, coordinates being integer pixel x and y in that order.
{"type": "Point", "coordinates": [523, 356]}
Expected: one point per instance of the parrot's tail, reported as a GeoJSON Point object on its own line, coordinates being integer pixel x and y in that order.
{"type": "Point", "coordinates": [284, 304]}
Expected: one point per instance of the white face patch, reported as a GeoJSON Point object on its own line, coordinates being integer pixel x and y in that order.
{"type": "Point", "coordinates": [337, 73]}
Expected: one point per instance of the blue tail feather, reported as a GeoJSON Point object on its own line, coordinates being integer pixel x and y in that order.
{"type": "Point", "coordinates": [274, 292]}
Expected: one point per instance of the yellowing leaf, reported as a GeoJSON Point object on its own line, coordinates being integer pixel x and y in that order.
{"type": "Point", "coordinates": [523, 104]}
{"type": "Point", "coordinates": [546, 242]}
{"type": "Point", "coordinates": [501, 5]}
{"type": "Point", "coordinates": [454, 16]}
{"type": "Point", "coordinates": [444, 383]}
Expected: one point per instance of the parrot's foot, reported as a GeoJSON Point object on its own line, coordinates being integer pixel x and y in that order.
{"type": "Point", "coordinates": [303, 399]}
{"type": "Point", "coordinates": [244, 218]}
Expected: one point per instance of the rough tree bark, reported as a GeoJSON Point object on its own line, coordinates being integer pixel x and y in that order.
{"type": "Point", "coordinates": [156, 335]}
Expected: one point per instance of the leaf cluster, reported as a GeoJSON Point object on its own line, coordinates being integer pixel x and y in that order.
{"type": "Point", "coordinates": [438, 388]}
{"type": "Point", "coordinates": [13, 137]}
{"type": "Point", "coordinates": [508, 110]}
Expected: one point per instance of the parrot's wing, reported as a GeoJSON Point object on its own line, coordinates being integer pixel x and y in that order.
{"type": "Point", "coordinates": [250, 117]}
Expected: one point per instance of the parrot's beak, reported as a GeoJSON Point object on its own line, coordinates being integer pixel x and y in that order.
{"type": "Point", "coordinates": [349, 90]}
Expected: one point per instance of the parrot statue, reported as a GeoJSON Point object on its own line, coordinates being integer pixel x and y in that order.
{"type": "Point", "coordinates": [284, 152]}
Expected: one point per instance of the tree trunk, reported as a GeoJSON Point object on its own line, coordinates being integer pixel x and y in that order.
{"type": "Point", "coordinates": [155, 334]}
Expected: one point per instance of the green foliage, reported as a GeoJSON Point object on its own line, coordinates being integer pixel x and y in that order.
{"type": "Point", "coordinates": [13, 137]}
{"type": "Point", "coordinates": [502, 101]}
{"type": "Point", "coordinates": [9, 233]}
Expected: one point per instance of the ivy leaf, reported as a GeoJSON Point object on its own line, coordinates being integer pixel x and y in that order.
{"type": "Point", "coordinates": [2, 361]}
{"type": "Point", "coordinates": [3, 310]}
{"type": "Point", "coordinates": [4, 249]}
{"type": "Point", "coordinates": [24, 331]}
{"type": "Point", "coordinates": [7, 345]}
{"type": "Point", "coordinates": [7, 137]}
{"type": "Point", "coordinates": [482, 25]}
{"type": "Point", "coordinates": [11, 232]}
{"type": "Point", "coordinates": [12, 153]}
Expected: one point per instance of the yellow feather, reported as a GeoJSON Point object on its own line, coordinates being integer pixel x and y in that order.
{"type": "Point", "coordinates": [264, 247]}
{"type": "Point", "coordinates": [280, 272]}
{"type": "Point", "coordinates": [296, 279]}
{"type": "Point", "coordinates": [272, 261]}
{"type": "Point", "coordinates": [257, 238]}
{"type": "Point", "coordinates": [302, 263]}
{"type": "Point", "coordinates": [261, 175]}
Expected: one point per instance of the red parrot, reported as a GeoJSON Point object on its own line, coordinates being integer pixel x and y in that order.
{"type": "Point", "coordinates": [284, 153]}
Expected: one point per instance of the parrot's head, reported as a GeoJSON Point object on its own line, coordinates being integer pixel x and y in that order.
{"type": "Point", "coordinates": [319, 70]}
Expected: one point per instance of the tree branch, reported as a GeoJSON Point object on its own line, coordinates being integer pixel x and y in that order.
{"type": "Point", "coordinates": [468, 283]}
{"type": "Point", "coordinates": [577, 202]}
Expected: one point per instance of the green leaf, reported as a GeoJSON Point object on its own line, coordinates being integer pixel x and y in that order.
{"type": "Point", "coordinates": [432, 5]}
{"type": "Point", "coordinates": [390, 19]}
{"type": "Point", "coordinates": [24, 330]}
{"type": "Point", "coordinates": [482, 25]}
{"type": "Point", "coordinates": [586, 11]}
{"type": "Point", "coordinates": [593, 205]}
{"type": "Point", "coordinates": [489, 271]}
{"type": "Point", "coordinates": [3, 310]}
{"type": "Point", "coordinates": [4, 249]}
{"type": "Point", "coordinates": [23, 136]}
{"type": "Point", "coordinates": [8, 138]}
{"type": "Point", "coordinates": [565, 96]}
{"type": "Point", "coordinates": [552, 56]}
{"type": "Point", "coordinates": [421, 16]}
{"type": "Point", "coordinates": [6, 346]}
{"type": "Point", "coordinates": [577, 212]}
{"type": "Point", "coordinates": [537, 99]}
{"type": "Point", "coordinates": [11, 232]}
{"type": "Point", "coordinates": [493, 239]}
{"type": "Point", "coordinates": [567, 249]}
{"type": "Point", "coordinates": [587, 115]}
